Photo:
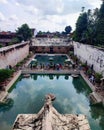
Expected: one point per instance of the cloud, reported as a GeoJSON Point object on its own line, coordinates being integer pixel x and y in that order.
{"type": "Point", "coordinates": [17, 4]}
{"type": "Point", "coordinates": [95, 3]}
{"type": "Point", "coordinates": [13, 17]}
{"type": "Point", "coordinates": [2, 18]}
{"type": "Point", "coordinates": [4, 1]}
{"type": "Point", "coordinates": [52, 15]}
{"type": "Point", "coordinates": [58, 22]}
{"type": "Point", "coordinates": [54, 7]}
{"type": "Point", "coordinates": [32, 10]}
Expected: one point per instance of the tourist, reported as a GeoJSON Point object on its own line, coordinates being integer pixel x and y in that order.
{"type": "Point", "coordinates": [92, 78]}
{"type": "Point", "coordinates": [10, 67]}
{"type": "Point", "coordinates": [60, 66]}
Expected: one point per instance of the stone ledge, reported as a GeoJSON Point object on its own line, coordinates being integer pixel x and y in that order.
{"type": "Point", "coordinates": [4, 94]}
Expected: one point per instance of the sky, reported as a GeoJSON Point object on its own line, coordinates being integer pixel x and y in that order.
{"type": "Point", "coordinates": [44, 15]}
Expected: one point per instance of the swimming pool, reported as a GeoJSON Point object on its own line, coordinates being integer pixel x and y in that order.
{"type": "Point", "coordinates": [71, 94]}
{"type": "Point", "coordinates": [55, 58]}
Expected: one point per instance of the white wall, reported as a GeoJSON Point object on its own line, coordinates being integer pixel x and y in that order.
{"type": "Point", "coordinates": [14, 56]}
{"type": "Point", "coordinates": [91, 55]}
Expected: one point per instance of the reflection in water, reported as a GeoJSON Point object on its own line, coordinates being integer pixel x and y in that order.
{"type": "Point", "coordinates": [51, 76]}
{"type": "Point", "coordinates": [71, 97]}
{"type": "Point", "coordinates": [66, 77]}
{"type": "Point", "coordinates": [35, 76]}
{"type": "Point", "coordinates": [57, 77]}
{"type": "Point", "coordinates": [80, 86]}
{"type": "Point", "coordinates": [102, 122]}
{"type": "Point", "coordinates": [98, 113]}
{"type": "Point", "coordinates": [6, 106]}
{"type": "Point", "coordinates": [57, 59]}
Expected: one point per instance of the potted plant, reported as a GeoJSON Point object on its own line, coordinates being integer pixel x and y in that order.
{"type": "Point", "coordinates": [98, 77]}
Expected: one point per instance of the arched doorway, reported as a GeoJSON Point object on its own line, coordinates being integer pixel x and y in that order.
{"type": "Point", "coordinates": [51, 49]}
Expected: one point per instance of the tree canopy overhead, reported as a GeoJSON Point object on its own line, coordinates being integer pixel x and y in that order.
{"type": "Point", "coordinates": [81, 27]}
{"type": "Point", "coordinates": [24, 32]}
{"type": "Point", "coordinates": [90, 26]}
{"type": "Point", "coordinates": [100, 26]}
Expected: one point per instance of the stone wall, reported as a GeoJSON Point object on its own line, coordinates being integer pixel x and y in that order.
{"type": "Point", "coordinates": [92, 55]}
{"type": "Point", "coordinates": [48, 49]}
{"type": "Point", "coordinates": [11, 55]}
{"type": "Point", "coordinates": [50, 45]}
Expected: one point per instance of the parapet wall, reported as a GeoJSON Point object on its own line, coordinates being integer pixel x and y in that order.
{"type": "Point", "coordinates": [92, 55]}
{"type": "Point", "coordinates": [50, 45]}
{"type": "Point", "coordinates": [11, 55]}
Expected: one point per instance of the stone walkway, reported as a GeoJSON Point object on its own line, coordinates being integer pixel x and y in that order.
{"type": "Point", "coordinates": [4, 94]}
{"type": "Point", "coordinates": [99, 96]}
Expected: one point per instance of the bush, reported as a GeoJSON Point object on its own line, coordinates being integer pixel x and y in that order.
{"type": "Point", "coordinates": [98, 77]}
{"type": "Point", "coordinates": [84, 65]}
{"type": "Point", "coordinates": [10, 43]}
{"type": "Point", "coordinates": [18, 64]}
{"type": "Point", "coordinates": [5, 74]}
{"type": "Point", "coordinates": [89, 72]}
{"type": "Point", "coordinates": [71, 53]}
{"type": "Point", "coordinates": [1, 45]}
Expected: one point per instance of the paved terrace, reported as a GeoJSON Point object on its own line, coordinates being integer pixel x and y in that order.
{"type": "Point", "coordinates": [50, 42]}
{"type": "Point", "coordinates": [50, 71]}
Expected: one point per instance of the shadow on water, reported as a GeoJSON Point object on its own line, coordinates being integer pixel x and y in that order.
{"type": "Point", "coordinates": [7, 105]}
{"type": "Point", "coordinates": [15, 84]}
{"type": "Point", "coordinates": [81, 86]}
{"type": "Point", "coordinates": [97, 112]}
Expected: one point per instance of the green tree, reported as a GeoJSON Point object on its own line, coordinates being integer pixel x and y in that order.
{"type": "Point", "coordinates": [5, 74]}
{"type": "Point", "coordinates": [1, 45]}
{"type": "Point", "coordinates": [100, 26]}
{"type": "Point", "coordinates": [81, 27]}
{"type": "Point", "coordinates": [68, 29]}
{"type": "Point", "coordinates": [86, 27]}
{"type": "Point", "coordinates": [15, 40]}
{"type": "Point", "coordinates": [24, 32]}
{"type": "Point", "coordinates": [40, 33]}
{"type": "Point", "coordinates": [90, 33]}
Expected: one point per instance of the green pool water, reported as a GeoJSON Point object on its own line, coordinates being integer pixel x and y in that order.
{"type": "Point", "coordinates": [57, 59]}
{"type": "Point", "coordinates": [27, 96]}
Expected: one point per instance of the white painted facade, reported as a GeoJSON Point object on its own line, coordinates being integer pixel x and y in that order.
{"type": "Point", "coordinates": [91, 55]}
{"type": "Point", "coordinates": [14, 56]}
